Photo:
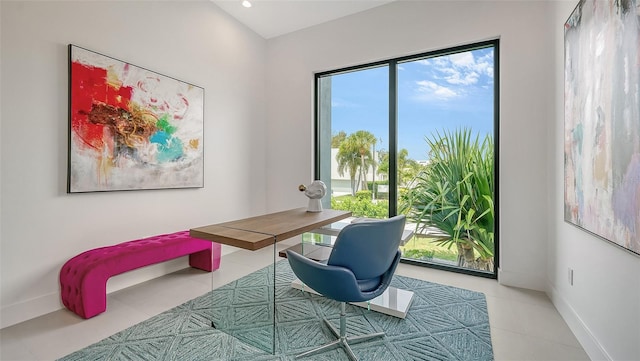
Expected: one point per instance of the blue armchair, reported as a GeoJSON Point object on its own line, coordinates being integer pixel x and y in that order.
{"type": "Point", "coordinates": [364, 257]}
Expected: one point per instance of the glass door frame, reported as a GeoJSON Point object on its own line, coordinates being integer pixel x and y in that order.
{"type": "Point", "coordinates": [320, 137]}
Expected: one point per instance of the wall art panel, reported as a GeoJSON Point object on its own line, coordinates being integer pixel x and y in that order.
{"type": "Point", "coordinates": [602, 120]}
{"type": "Point", "coordinates": [131, 128]}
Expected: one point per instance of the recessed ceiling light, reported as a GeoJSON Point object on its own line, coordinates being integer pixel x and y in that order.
{"type": "Point", "coordinates": [246, 3]}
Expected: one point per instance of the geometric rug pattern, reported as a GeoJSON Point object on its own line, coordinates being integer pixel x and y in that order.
{"type": "Point", "coordinates": [443, 323]}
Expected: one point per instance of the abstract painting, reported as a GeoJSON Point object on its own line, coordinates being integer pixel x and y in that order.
{"type": "Point", "coordinates": [602, 120]}
{"type": "Point", "coordinates": [131, 128]}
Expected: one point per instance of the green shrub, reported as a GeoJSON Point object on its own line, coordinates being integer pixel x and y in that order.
{"type": "Point", "coordinates": [363, 194]}
{"type": "Point", "coordinates": [361, 206]}
{"type": "Point", "coordinates": [418, 254]}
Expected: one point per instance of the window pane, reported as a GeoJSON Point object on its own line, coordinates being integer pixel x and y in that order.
{"type": "Point", "coordinates": [445, 151]}
{"type": "Point", "coordinates": [353, 118]}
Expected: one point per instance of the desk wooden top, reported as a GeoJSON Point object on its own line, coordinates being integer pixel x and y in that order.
{"type": "Point", "coordinates": [261, 231]}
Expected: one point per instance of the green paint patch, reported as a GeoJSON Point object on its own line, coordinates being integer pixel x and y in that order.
{"type": "Point", "coordinates": [164, 125]}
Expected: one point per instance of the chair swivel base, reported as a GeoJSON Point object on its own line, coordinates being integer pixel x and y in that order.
{"type": "Point", "coordinates": [342, 340]}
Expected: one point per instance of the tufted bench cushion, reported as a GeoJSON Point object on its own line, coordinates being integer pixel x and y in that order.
{"type": "Point", "coordinates": [83, 279]}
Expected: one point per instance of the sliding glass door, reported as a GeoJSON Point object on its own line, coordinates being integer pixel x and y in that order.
{"type": "Point", "coordinates": [417, 136]}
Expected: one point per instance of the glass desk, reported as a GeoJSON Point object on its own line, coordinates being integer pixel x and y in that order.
{"type": "Point", "coordinates": [246, 308]}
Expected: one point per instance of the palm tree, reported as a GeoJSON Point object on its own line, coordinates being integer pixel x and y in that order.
{"type": "Point", "coordinates": [408, 168]}
{"type": "Point", "coordinates": [338, 138]}
{"type": "Point", "coordinates": [363, 142]}
{"type": "Point", "coordinates": [347, 159]}
{"type": "Point", "coordinates": [354, 155]}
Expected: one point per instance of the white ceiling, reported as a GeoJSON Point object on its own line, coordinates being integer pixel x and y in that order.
{"type": "Point", "coordinates": [271, 18]}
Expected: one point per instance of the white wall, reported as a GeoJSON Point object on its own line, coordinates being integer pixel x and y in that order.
{"type": "Point", "coordinates": [603, 306]}
{"type": "Point", "coordinates": [42, 226]}
{"type": "Point", "coordinates": [411, 27]}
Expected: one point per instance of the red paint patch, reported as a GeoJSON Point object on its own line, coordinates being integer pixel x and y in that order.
{"type": "Point", "coordinates": [89, 86]}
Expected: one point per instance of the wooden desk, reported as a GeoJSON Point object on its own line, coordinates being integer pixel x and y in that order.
{"type": "Point", "coordinates": [258, 232]}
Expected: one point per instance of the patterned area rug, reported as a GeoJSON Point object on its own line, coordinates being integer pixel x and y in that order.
{"type": "Point", "coordinates": [443, 323]}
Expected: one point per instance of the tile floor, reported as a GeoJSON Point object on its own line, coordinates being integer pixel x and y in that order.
{"type": "Point", "coordinates": [524, 324]}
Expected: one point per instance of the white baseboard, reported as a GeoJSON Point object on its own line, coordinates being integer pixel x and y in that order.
{"type": "Point", "coordinates": [35, 307]}
{"type": "Point", "coordinates": [589, 342]}
{"type": "Point", "coordinates": [20, 312]}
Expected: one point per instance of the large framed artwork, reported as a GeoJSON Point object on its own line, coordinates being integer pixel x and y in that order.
{"type": "Point", "coordinates": [602, 120]}
{"type": "Point", "coordinates": [131, 128]}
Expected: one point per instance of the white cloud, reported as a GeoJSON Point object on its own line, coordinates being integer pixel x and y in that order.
{"type": "Point", "coordinates": [484, 64]}
{"type": "Point", "coordinates": [462, 59]}
{"type": "Point", "coordinates": [454, 75]}
{"type": "Point", "coordinates": [463, 78]}
{"type": "Point", "coordinates": [489, 72]}
{"type": "Point", "coordinates": [463, 69]}
{"type": "Point", "coordinates": [428, 90]}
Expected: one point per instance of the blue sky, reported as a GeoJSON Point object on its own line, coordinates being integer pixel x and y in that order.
{"type": "Point", "coordinates": [445, 92]}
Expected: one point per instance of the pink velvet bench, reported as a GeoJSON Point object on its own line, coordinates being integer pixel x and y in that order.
{"type": "Point", "coordinates": [83, 279]}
